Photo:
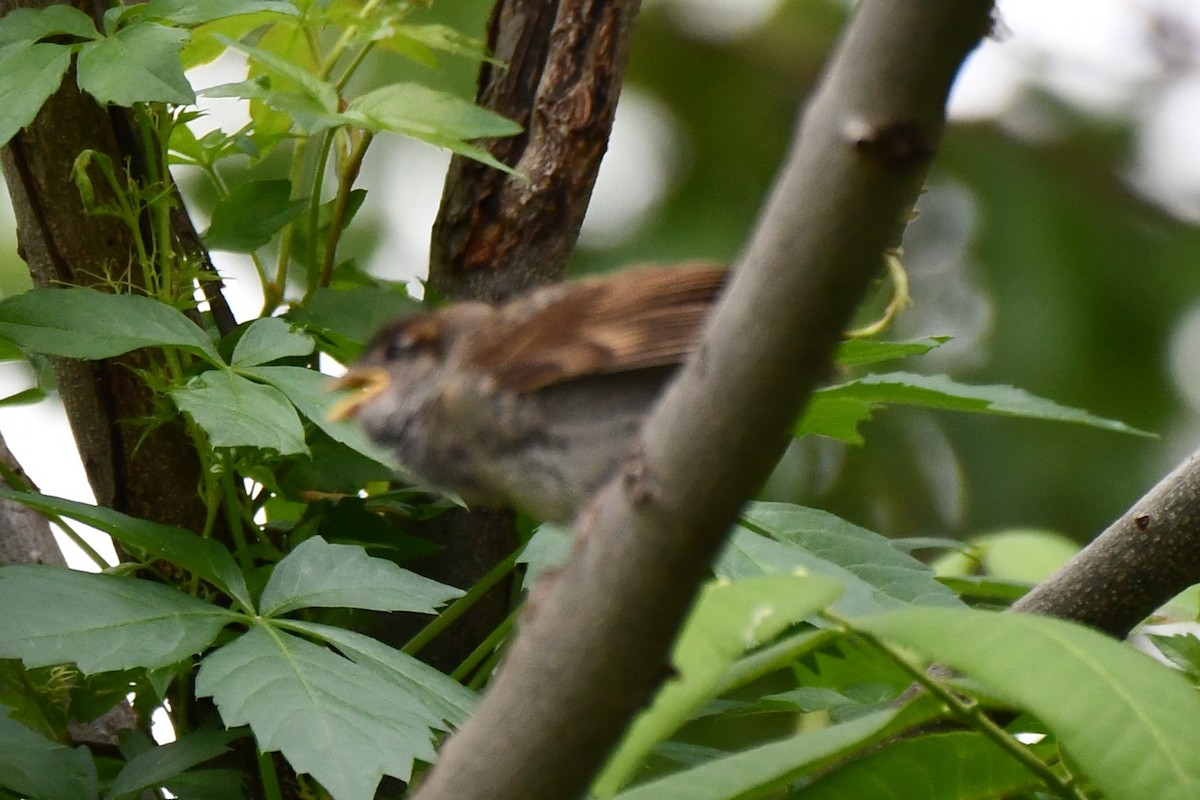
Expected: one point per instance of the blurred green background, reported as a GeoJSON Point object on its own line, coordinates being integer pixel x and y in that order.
{"type": "Point", "coordinates": [1032, 249]}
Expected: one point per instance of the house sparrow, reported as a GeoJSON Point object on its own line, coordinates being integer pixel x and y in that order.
{"type": "Point", "coordinates": [536, 402]}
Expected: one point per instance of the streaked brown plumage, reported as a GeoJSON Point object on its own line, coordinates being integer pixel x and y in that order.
{"type": "Point", "coordinates": [535, 402]}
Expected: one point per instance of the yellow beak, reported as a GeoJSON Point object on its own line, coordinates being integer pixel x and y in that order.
{"type": "Point", "coordinates": [368, 383]}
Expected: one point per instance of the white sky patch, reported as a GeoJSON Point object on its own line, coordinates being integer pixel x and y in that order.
{"type": "Point", "coordinates": [642, 163]}
{"type": "Point", "coordinates": [1125, 60]}
{"type": "Point", "coordinates": [719, 20]}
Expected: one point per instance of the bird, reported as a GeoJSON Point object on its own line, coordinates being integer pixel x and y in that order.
{"type": "Point", "coordinates": [533, 403]}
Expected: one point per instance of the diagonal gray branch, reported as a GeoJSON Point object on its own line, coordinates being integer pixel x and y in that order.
{"type": "Point", "coordinates": [1140, 562]}
{"type": "Point", "coordinates": [594, 643]}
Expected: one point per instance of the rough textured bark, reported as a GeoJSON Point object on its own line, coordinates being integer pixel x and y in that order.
{"type": "Point", "coordinates": [594, 644]}
{"type": "Point", "coordinates": [472, 543]}
{"type": "Point", "coordinates": [1140, 562]}
{"type": "Point", "coordinates": [497, 234]}
{"type": "Point", "coordinates": [25, 536]}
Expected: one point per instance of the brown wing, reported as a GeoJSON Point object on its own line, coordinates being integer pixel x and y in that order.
{"type": "Point", "coordinates": [640, 318]}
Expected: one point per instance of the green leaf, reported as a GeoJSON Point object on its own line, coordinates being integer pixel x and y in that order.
{"type": "Point", "coordinates": [75, 322]}
{"type": "Point", "coordinates": [419, 111]}
{"type": "Point", "coordinates": [24, 397]}
{"type": "Point", "coordinates": [333, 468]}
{"type": "Point", "coordinates": [33, 24]}
{"type": "Point", "coordinates": [1124, 720]}
{"type": "Point", "coordinates": [548, 548]}
{"type": "Point", "coordinates": [204, 558]}
{"type": "Point", "coordinates": [251, 215]}
{"type": "Point", "coordinates": [836, 410]}
{"type": "Point", "coordinates": [1029, 556]}
{"type": "Point", "coordinates": [139, 64]}
{"type": "Point", "coordinates": [321, 94]}
{"type": "Point", "coordinates": [928, 768]}
{"type": "Point", "coordinates": [729, 619]}
{"type": "Point", "coordinates": [975, 589]}
{"type": "Point", "coordinates": [158, 765]}
{"type": "Point", "coordinates": [26, 697]}
{"type": "Point", "coordinates": [319, 574]}
{"type": "Point", "coordinates": [236, 412]}
{"type": "Point", "coordinates": [1182, 650]}
{"type": "Point", "coordinates": [780, 537]}
{"type": "Point", "coordinates": [751, 773]}
{"type": "Point", "coordinates": [269, 339]}
{"type": "Point", "coordinates": [35, 767]}
{"type": "Point", "coordinates": [308, 390]}
{"type": "Point", "coordinates": [443, 697]}
{"type": "Point", "coordinates": [437, 118]}
{"type": "Point", "coordinates": [354, 314]}
{"type": "Point", "coordinates": [330, 717]}
{"type": "Point", "coordinates": [100, 622]}
{"type": "Point", "coordinates": [208, 784]}
{"type": "Point", "coordinates": [29, 74]}
{"type": "Point", "coordinates": [835, 417]}
{"type": "Point", "coordinates": [9, 351]}
{"type": "Point", "coordinates": [1021, 555]}
{"type": "Point", "coordinates": [858, 352]}
{"type": "Point", "coordinates": [417, 42]}
{"type": "Point", "coordinates": [189, 12]}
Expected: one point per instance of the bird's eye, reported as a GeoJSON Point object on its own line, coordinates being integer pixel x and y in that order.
{"type": "Point", "coordinates": [395, 350]}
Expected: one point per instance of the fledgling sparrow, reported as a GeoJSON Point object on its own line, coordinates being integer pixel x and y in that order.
{"type": "Point", "coordinates": [533, 403]}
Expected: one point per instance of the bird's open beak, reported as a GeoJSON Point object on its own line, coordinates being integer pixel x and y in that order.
{"type": "Point", "coordinates": [367, 383]}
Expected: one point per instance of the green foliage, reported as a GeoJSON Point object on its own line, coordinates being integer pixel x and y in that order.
{"type": "Point", "coordinates": [858, 352]}
{"type": "Point", "coordinates": [916, 769]}
{"type": "Point", "coordinates": [729, 619]}
{"type": "Point", "coordinates": [1136, 710]}
{"type": "Point", "coordinates": [331, 717]}
{"type": "Point", "coordinates": [269, 339]}
{"type": "Point", "coordinates": [756, 771]}
{"type": "Point", "coordinates": [158, 765]}
{"type": "Point", "coordinates": [101, 622]}
{"type": "Point", "coordinates": [440, 119]}
{"type": "Point", "coordinates": [441, 697]}
{"type": "Point", "coordinates": [786, 669]}
{"type": "Point", "coordinates": [836, 411]}
{"type": "Point", "coordinates": [778, 537]}
{"type": "Point", "coordinates": [378, 707]}
{"type": "Point", "coordinates": [137, 64]}
{"type": "Point", "coordinates": [252, 214]}
{"type": "Point", "coordinates": [1026, 556]}
{"type": "Point", "coordinates": [319, 574]}
{"type": "Point", "coordinates": [40, 769]}
{"type": "Point", "coordinates": [29, 73]}
{"type": "Point", "coordinates": [346, 318]}
{"type": "Point", "coordinates": [202, 557]}
{"type": "Point", "coordinates": [84, 323]}
{"type": "Point", "coordinates": [236, 412]}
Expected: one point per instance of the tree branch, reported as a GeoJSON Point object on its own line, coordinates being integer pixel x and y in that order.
{"type": "Point", "coordinates": [25, 536]}
{"type": "Point", "coordinates": [497, 234]}
{"type": "Point", "coordinates": [1140, 562]}
{"type": "Point", "coordinates": [594, 643]}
